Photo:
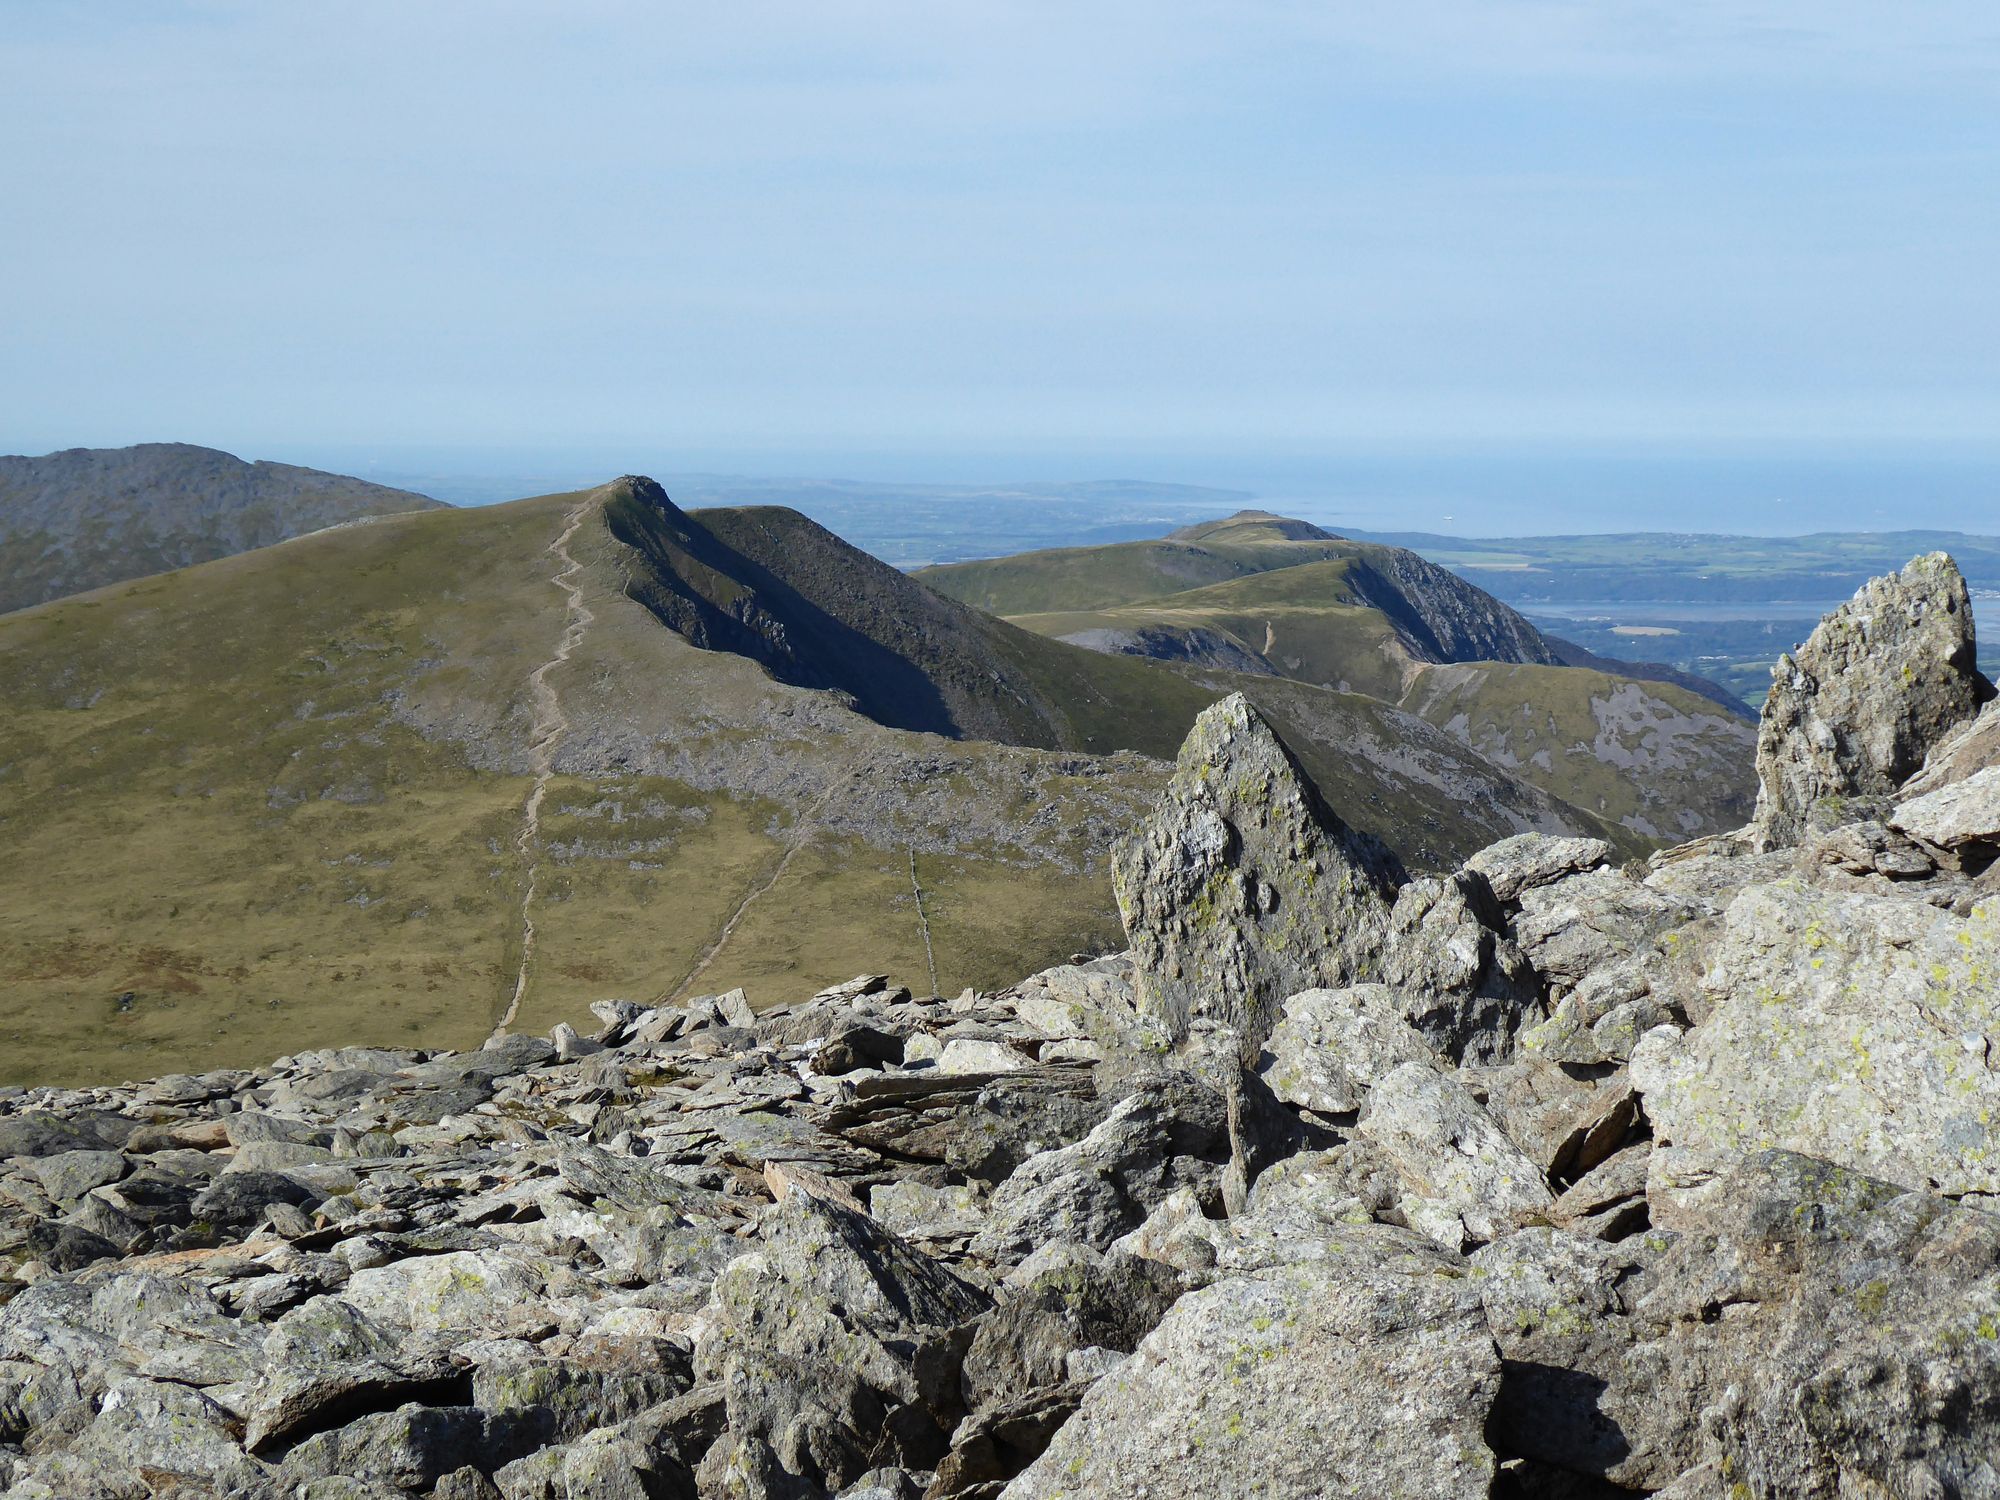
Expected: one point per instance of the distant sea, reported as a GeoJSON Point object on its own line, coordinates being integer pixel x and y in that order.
{"type": "Point", "coordinates": [1985, 612]}
{"type": "Point", "coordinates": [1491, 490]}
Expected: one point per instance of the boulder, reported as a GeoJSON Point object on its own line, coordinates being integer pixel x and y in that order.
{"type": "Point", "coordinates": [1444, 946]}
{"type": "Point", "coordinates": [1575, 926]}
{"type": "Point", "coordinates": [831, 1341]}
{"type": "Point", "coordinates": [1331, 1046]}
{"type": "Point", "coordinates": [1814, 1333]}
{"type": "Point", "coordinates": [1957, 814]}
{"type": "Point", "coordinates": [1317, 1379]}
{"type": "Point", "coordinates": [1244, 887]}
{"type": "Point", "coordinates": [1168, 1135]}
{"type": "Point", "coordinates": [1081, 1300]}
{"type": "Point", "coordinates": [1858, 1027]}
{"type": "Point", "coordinates": [1527, 860]}
{"type": "Point", "coordinates": [1463, 1177]}
{"type": "Point", "coordinates": [1853, 713]}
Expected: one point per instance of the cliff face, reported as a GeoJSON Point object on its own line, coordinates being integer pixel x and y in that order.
{"type": "Point", "coordinates": [86, 517]}
{"type": "Point", "coordinates": [1548, 1177]}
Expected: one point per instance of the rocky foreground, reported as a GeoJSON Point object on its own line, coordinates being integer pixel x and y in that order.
{"type": "Point", "coordinates": [1538, 1178]}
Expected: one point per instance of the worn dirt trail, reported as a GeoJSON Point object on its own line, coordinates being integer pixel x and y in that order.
{"type": "Point", "coordinates": [545, 736]}
{"type": "Point", "coordinates": [801, 835]}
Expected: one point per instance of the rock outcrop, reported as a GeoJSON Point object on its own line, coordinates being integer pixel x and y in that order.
{"type": "Point", "coordinates": [1536, 1178]}
{"type": "Point", "coordinates": [1245, 887]}
{"type": "Point", "coordinates": [1854, 711]}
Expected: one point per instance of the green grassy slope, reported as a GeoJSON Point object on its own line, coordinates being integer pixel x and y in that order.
{"type": "Point", "coordinates": [1652, 758]}
{"type": "Point", "coordinates": [275, 799]}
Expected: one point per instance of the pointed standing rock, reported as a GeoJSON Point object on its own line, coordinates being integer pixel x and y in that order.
{"type": "Point", "coordinates": [1244, 887]}
{"type": "Point", "coordinates": [1856, 709]}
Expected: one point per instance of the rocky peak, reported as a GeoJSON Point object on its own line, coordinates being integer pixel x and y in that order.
{"type": "Point", "coordinates": [1854, 711]}
{"type": "Point", "coordinates": [1245, 887]}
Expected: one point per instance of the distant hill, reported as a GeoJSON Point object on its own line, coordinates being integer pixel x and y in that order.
{"type": "Point", "coordinates": [86, 517]}
{"type": "Point", "coordinates": [1644, 747]}
{"type": "Point", "coordinates": [281, 799]}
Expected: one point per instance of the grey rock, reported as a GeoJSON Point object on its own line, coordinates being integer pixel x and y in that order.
{"type": "Point", "coordinates": [237, 1201]}
{"type": "Point", "coordinates": [982, 1125]}
{"type": "Point", "coordinates": [1857, 1027]}
{"type": "Point", "coordinates": [1963, 812]}
{"type": "Point", "coordinates": [974, 1055]}
{"type": "Point", "coordinates": [1816, 1334]}
{"type": "Point", "coordinates": [1581, 923]}
{"type": "Point", "coordinates": [66, 1247]}
{"type": "Point", "coordinates": [465, 1291]}
{"type": "Point", "coordinates": [1464, 1178]}
{"type": "Point", "coordinates": [1443, 946]}
{"type": "Point", "coordinates": [1331, 1046]}
{"type": "Point", "coordinates": [1855, 711]}
{"type": "Point", "coordinates": [1236, 1386]}
{"type": "Point", "coordinates": [409, 1448]}
{"type": "Point", "coordinates": [1527, 860]}
{"type": "Point", "coordinates": [1560, 1307]}
{"type": "Point", "coordinates": [1244, 887]}
{"type": "Point", "coordinates": [1608, 1202]}
{"type": "Point", "coordinates": [148, 1429]}
{"type": "Point", "coordinates": [992, 1446]}
{"type": "Point", "coordinates": [1084, 1301]}
{"type": "Point", "coordinates": [153, 1325]}
{"type": "Point", "coordinates": [1165, 1136]}
{"type": "Point", "coordinates": [67, 1175]}
{"type": "Point", "coordinates": [819, 1340]}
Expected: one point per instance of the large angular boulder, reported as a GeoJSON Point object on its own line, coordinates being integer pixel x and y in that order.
{"type": "Point", "coordinates": [1856, 709]}
{"type": "Point", "coordinates": [1464, 1178]}
{"type": "Point", "coordinates": [1519, 864]}
{"type": "Point", "coordinates": [1815, 1334]}
{"type": "Point", "coordinates": [1331, 1046]}
{"type": "Point", "coordinates": [1244, 887]}
{"type": "Point", "coordinates": [832, 1342]}
{"type": "Point", "coordinates": [1445, 946]}
{"type": "Point", "coordinates": [1169, 1135]}
{"type": "Point", "coordinates": [1956, 815]}
{"type": "Point", "coordinates": [1860, 1028]}
{"type": "Point", "coordinates": [1321, 1378]}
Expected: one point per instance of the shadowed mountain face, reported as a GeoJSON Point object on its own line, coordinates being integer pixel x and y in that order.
{"type": "Point", "coordinates": [282, 799]}
{"type": "Point", "coordinates": [86, 517]}
{"type": "Point", "coordinates": [1647, 749]}
{"type": "Point", "coordinates": [1251, 562]}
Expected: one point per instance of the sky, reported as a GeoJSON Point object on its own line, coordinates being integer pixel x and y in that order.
{"type": "Point", "coordinates": [870, 236]}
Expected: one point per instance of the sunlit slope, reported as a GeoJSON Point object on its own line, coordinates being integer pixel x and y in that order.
{"type": "Point", "coordinates": [1261, 594]}
{"type": "Point", "coordinates": [274, 800]}
{"type": "Point", "coordinates": [277, 800]}
{"type": "Point", "coordinates": [1651, 757]}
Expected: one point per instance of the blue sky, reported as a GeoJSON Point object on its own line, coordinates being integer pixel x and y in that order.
{"type": "Point", "coordinates": [834, 228]}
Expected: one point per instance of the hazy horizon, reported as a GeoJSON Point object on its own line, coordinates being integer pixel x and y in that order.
{"type": "Point", "coordinates": [1736, 246]}
{"type": "Point", "coordinates": [1462, 490]}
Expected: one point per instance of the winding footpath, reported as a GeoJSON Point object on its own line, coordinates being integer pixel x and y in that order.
{"type": "Point", "coordinates": [548, 728]}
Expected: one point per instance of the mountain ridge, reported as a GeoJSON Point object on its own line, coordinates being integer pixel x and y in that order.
{"type": "Point", "coordinates": [82, 518]}
{"type": "Point", "coordinates": [330, 744]}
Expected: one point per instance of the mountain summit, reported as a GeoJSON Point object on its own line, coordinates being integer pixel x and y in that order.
{"type": "Point", "coordinates": [404, 781]}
